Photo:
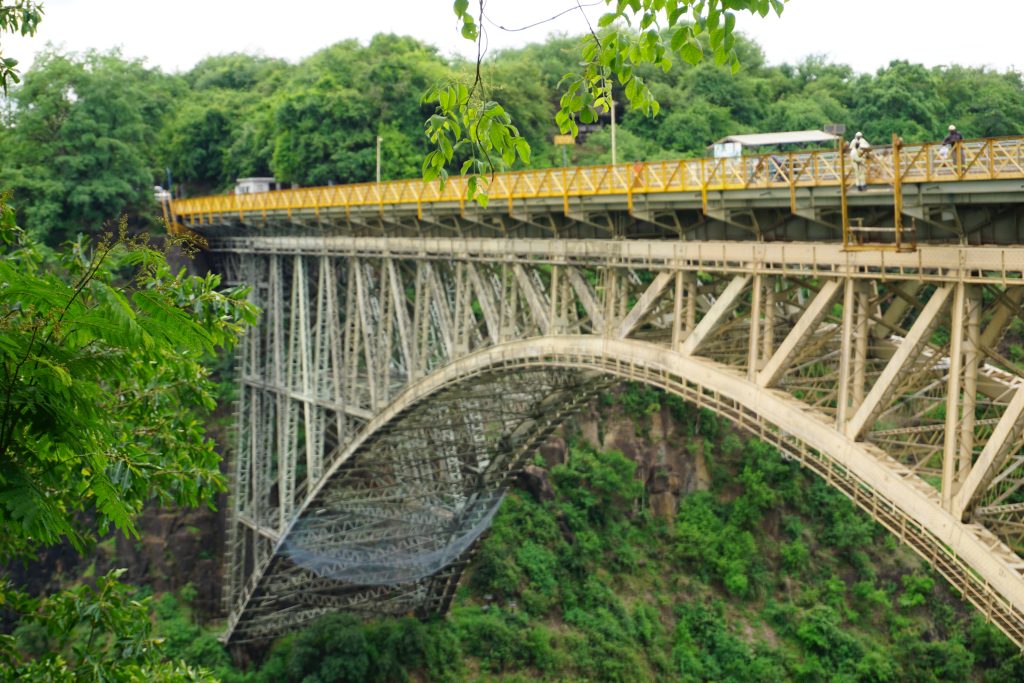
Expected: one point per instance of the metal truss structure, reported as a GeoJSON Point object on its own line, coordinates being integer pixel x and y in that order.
{"type": "Point", "coordinates": [397, 383]}
{"type": "Point", "coordinates": [414, 351]}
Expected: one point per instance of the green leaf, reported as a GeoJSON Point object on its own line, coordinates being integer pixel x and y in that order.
{"type": "Point", "coordinates": [460, 7]}
{"type": "Point", "coordinates": [607, 19]}
{"type": "Point", "coordinates": [691, 52]}
{"type": "Point", "coordinates": [715, 36]}
{"type": "Point", "coordinates": [446, 147]}
{"type": "Point", "coordinates": [679, 38]}
{"type": "Point", "coordinates": [523, 149]}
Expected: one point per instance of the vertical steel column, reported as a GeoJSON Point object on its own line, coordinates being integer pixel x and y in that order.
{"type": "Point", "coordinates": [385, 332]}
{"type": "Point", "coordinates": [753, 343]}
{"type": "Point", "coordinates": [611, 295]}
{"type": "Point", "coordinates": [951, 444]}
{"type": "Point", "coordinates": [691, 301]}
{"type": "Point", "coordinates": [505, 314]}
{"type": "Point", "coordinates": [305, 372]}
{"type": "Point", "coordinates": [555, 323]}
{"type": "Point", "coordinates": [350, 341]}
{"type": "Point", "coordinates": [768, 335]}
{"type": "Point", "coordinates": [420, 322]}
{"type": "Point", "coordinates": [845, 351]}
{"type": "Point", "coordinates": [461, 331]}
{"type": "Point", "coordinates": [972, 358]}
{"type": "Point", "coordinates": [281, 400]}
{"type": "Point", "coordinates": [369, 337]}
{"type": "Point", "coordinates": [860, 350]}
{"type": "Point", "coordinates": [677, 311]}
{"type": "Point", "coordinates": [336, 353]}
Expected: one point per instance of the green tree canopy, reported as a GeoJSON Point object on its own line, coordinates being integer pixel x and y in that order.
{"type": "Point", "coordinates": [85, 144]}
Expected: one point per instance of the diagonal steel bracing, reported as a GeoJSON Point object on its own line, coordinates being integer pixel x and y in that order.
{"type": "Point", "coordinates": [396, 384]}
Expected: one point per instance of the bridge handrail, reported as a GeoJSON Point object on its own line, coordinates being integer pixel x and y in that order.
{"type": "Point", "coordinates": [978, 159]}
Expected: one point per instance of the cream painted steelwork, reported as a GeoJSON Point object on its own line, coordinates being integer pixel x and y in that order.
{"type": "Point", "coordinates": [396, 384]}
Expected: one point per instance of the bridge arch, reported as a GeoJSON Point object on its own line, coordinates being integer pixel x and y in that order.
{"type": "Point", "coordinates": [860, 470]}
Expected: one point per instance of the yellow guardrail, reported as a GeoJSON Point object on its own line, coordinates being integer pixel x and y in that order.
{"type": "Point", "coordinates": [983, 159]}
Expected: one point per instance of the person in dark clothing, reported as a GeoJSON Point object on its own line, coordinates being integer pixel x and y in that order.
{"type": "Point", "coordinates": [953, 137]}
{"type": "Point", "coordinates": [950, 144]}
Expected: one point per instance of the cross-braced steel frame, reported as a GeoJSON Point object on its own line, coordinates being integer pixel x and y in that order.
{"type": "Point", "coordinates": [395, 385]}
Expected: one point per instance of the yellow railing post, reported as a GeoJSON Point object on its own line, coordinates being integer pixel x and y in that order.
{"type": "Point", "coordinates": [897, 188]}
{"type": "Point", "coordinates": [842, 191]}
{"type": "Point", "coordinates": [703, 185]}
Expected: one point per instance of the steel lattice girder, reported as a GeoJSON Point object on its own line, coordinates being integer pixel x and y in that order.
{"type": "Point", "coordinates": [393, 382]}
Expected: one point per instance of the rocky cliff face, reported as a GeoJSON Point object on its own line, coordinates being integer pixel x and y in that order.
{"type": "Point", "coordinates": [669, 462]}
{"type": "Point", "coordinates": [178, 547]}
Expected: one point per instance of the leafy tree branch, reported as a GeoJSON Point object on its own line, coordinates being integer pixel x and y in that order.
{"type": "Point", "coordinates": [21, 17]}
{"type": "Point", "coordinates": [633, 34]}
{"type": "Point", "coordinates": [102, 386]}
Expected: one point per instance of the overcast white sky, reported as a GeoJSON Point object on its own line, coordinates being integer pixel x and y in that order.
{"type": "Point", "coordinates": [175, 34]}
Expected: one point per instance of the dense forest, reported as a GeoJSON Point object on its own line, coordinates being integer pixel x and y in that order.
{"type": "Point", "coordinates": [86, 136]}
{"type": "Point", "coordinates": [757, 572]}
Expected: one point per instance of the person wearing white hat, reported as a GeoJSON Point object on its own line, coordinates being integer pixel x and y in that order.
{"type": "Point", "coordinates": [951, 142]}
{"type": "Point", "coordinates": [953, 137]}
{"type": "Point", "coordinates": [859, 155]}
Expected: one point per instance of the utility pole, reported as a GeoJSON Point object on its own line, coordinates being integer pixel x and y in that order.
{"type": "Point", "coordinates": [379, 138]}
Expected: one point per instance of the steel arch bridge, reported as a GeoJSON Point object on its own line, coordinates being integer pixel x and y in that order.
{"type": "Point", "coordinates": [398, 381]}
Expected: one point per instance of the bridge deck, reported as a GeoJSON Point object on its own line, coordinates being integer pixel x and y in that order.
{"type": "Point", "coordinates": [769, 179]}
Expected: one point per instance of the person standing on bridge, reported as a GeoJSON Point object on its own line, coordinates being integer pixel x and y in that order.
{"type": "Point", "coordinates": [952, 143]}
{"type": "Point", "coordinates": [953, 137]}
{"type": "Point", "coordinates": [859, 148]}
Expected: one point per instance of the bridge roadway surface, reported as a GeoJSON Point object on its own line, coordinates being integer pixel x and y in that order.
{"type": "Point", "coordinates": [404, 371]}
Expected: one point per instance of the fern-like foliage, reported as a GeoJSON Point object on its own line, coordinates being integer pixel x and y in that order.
{"type": "Point", "coordinates": [102, 386]}
{"type": "Point", "coordinates": [102, 398]}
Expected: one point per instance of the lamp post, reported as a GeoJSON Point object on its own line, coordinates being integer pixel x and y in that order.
{"type": "Point", "coordinates": [379, 138]}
